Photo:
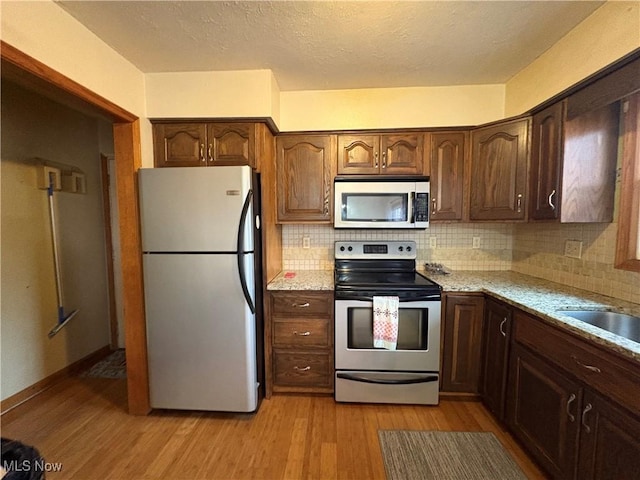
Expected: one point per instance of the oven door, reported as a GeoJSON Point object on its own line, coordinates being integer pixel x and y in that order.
{"type": "Point", "coordinates": [418, 348]}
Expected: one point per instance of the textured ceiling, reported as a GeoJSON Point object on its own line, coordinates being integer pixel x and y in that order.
{"type": "Point", "coordinates": [313, 45]}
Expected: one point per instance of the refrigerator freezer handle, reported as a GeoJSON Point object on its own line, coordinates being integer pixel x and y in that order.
{"type": "Point", "coordinates": [240, 250]}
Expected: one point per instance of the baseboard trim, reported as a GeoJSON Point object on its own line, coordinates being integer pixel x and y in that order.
{"type": "Point", "coordinates": [37, 388]}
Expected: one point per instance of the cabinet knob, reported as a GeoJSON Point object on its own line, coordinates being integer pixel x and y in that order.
{"type": "Point", "coordinates": [519, 203]}
{"type": "Point", "coordinates": [300, 305]}
{"type": "Point", "coordinates": [591, 368]}
{"type": "Point", "coordinates": [209, 153]}
{"type": "Point", "coordinates": [202, 157]}
{"type": "Point", "coordinates": [301, 334]}
{"type": "Point", "coordinates": [302, 369]}
{"type": "Point", "coordinates": [375, 156]}
{"type": "Point", "coordinates": [384, 159]}
{"type": "Point", "coordinates": [434, 203]}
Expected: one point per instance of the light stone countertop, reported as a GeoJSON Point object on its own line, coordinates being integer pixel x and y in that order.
{"type": "Point", "coordinates": [539, 297]}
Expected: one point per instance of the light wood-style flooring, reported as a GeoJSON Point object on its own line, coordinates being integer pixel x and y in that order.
{"type": "Point", "coordinates": [82, 423]}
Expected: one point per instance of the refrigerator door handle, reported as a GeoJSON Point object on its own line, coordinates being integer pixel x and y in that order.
{"type": "Point", "coordinates": [241, 252]}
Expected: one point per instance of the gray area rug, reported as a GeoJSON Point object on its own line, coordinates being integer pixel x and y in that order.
{"type": "Point", "coordinates": [434, 455]}
{"type": "Point", "coordinates": [112, 366]}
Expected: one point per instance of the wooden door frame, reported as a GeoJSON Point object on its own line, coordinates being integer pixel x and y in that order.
{"type": "Point", "coordinates": [105, 180]}
{"type": "Point", "coordinates": [126, 137]}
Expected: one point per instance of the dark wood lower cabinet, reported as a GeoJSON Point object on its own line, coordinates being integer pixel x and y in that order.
{"type": "Point", "coordinates": [576, 425]}
{"type": "Point", "coordinates": [609, 441]}
{"type": "Point", "coordinates": [462, 345]}
{"type": "Point", "coordinates": [543, 412]}
{"type": "Point", "coordinates": [495, 356]}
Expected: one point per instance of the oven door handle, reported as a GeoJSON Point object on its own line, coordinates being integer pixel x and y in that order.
{"type": "Point", "coordinates": [406, 381]}
{"type": "Point", "coordinates": [368, 298]}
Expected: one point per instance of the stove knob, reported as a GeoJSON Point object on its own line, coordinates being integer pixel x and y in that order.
{"type": "Point", "coordinates": [342, 249]}
{"type": "Point", "coordinates": [400, 249]}
{"type": "Point", "coordinates": [408, 249]}
{"type": "Point", "coordinates": [350, 249]}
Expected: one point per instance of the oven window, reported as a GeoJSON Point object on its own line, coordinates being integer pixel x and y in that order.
{"type": "Point", "coordinates": [412, 328]}
{"type": "Point", "coordinates": [375, 207]}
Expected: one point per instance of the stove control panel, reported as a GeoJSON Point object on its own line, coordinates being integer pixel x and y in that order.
{"type": "Point", "coordinates": [374, 250]}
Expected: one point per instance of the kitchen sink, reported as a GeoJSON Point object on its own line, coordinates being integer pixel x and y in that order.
{"type": "Point", "coordinates": [626, 326]}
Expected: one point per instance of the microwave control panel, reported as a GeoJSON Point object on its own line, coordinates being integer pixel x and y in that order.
{"type": "Point", "coordinates": [421, 208]}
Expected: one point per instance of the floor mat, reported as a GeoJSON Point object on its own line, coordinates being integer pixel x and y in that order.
{"type": "Point", "coordinates": [113, 366]}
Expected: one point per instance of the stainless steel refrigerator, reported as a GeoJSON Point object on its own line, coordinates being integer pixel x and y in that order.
{"type": "Point", "coordinates": [202, 287]}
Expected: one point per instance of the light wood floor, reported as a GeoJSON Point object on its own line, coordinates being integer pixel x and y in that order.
{"type": "Point", "coordinates": [82, 423]}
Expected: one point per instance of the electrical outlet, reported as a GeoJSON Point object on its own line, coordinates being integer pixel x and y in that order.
{"type": "Point", "coordinates": [573, 248]}
{"type": "Point", "coordinates": [476, 242]}
{"type": "Point", "coordinates": [433, 242]}
{"type": "Point", "coordinates": [306, 242]}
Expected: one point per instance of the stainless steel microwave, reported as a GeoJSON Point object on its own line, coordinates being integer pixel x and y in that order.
{"type": "Point", "coordinates": [381, 202]}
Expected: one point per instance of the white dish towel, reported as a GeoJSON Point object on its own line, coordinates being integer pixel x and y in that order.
{"type": "Point", "coordinates": [385, 322]}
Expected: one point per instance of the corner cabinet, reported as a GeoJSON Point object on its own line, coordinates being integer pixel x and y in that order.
{"type": "Point", "coordinates": [192, 144]}
{"type": "Point", "coordinates": [300, 342]}
{"type": "Point", "coordinates": [499, 162]}
{"type": "Point", "coordinates": [393, 154]}
{"type": "Point", "coordinates": [447, 158]}
{"type": "Point", "coordinates": [462, 343]}
{"type": "Point", "coordinates": [305, 171]}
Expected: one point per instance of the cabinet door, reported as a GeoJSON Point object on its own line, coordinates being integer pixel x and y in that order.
{"type": "Point", "coordinates": [544, 411]}
{"type": "Point", "coordinates": [179, 145]}
{"type": "Point", "coordinates": [446, 152]}
{"type": "Point", "coordinates": [304, 172]}
{"type": "Point", "coordinates": [546, 162]}
{"type": "Point", "coordinates": [358, 154]}
{"type": "Point", "coordinates": [402, 154]}
{"type": "Point", "coordinates": [609, 441]}
{"type": "Point", "coordinates": [499, 171]}
{"type": "Point", "coordinates": [462, 349]}
{"type": "Point", "coordinates": [231, 144]}
{"type": "Point", "coordinates": [495, 356]}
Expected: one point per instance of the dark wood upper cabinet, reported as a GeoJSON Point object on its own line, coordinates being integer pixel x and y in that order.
{"type": "Point", "coordinates": [180, 144]}
{"type": "Point", "coordinates": [573, 164]}
{"type": "Point", "coordinates": [546, 162]}
{"type": "Point", "coordinates": [447, 159]}
{"type": "Point", "coordinates": [499, 161]}
{"type": "Point", "coordinates": [230, 144]}
{"type": "Point", "coordinates": [304, 166]}
{"type": "Point", "coordinates": [393, 154]}
{"type": "Point", "coordinates": [204, 144]}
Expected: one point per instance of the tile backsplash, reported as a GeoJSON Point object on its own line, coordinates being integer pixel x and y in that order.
{"type": "Point", "coordinates": [532, 249]}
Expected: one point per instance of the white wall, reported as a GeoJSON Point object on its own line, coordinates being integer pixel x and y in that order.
{"type": "Point", "coordinates": [33, 126]}
{"type": "Point", "coordinates": [608, 34]}
{"type": "Point", "coordinates": [391, 107]}
{"type": "Point", "coordinates": [47, 33]}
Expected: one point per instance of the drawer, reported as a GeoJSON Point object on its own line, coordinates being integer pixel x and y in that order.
{"type": "Point", "coordinates": [302, 304]}
{"type": "Point", "coordinates": [301, 333]}
{"type": "Point", "coordinates": [305, 369]}
{"type": "Point", "coordinates": [603, 371]}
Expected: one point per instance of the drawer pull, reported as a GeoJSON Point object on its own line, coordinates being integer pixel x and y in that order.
{"type": "Point", "coordinates": [569, 402]}
{"type": "Point", "coordinates": [588, 367]}
{"type": "Point", "coordinates": [586, 410]}
{"type": "Point", "coordinates": [301, 334]}
{"type": "Point", "coordinates": [300, 305]}
{"type": "Point", "coordinates": [501, 327]}
{"type": "Point", "coordinates": [303, 369]}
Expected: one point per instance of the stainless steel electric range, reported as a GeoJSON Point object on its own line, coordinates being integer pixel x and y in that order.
{"type": "Point", "coordinates": [410, 373]}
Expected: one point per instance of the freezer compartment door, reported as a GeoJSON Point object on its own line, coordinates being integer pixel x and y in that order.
{"type": "Point", "coordinates": [201, 335]}
{"type": "Point", "coordinates": [194, 209]}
